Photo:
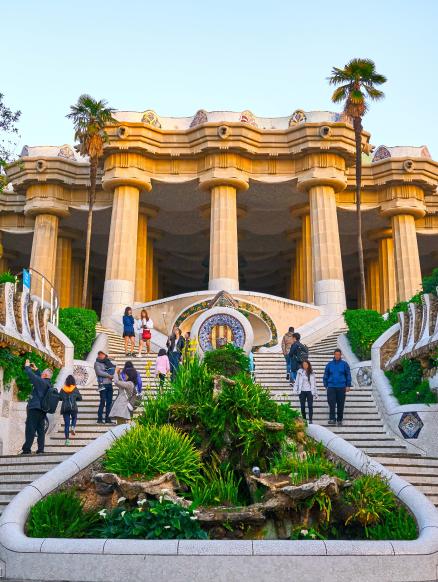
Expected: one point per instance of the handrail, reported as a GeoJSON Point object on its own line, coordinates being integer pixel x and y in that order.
{"type": "Point", "coordinates": [43, 289]}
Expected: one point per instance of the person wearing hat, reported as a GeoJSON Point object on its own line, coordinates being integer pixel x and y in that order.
{"type": "Point", "coordinates": [104, 369]}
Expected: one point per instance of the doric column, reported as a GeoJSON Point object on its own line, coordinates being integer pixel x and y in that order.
{"type": "Point", "coordinates": [373, 281]}
{"type": "Point", "coordinates": [304, 250]}
{"type": "Point", "coordinates": [150, 270]}
{"type": "Point", "coordinates": [4, 263]}
{"type": "Point", "coordinates": [145, 214]}
{"type": "Point", "coordinates": [224, 267]}
{"type": "Point", "coordinates": [77, 281]}
{"type": "Point", "coordinates": [388, 294]}
{"type": "Point", "coordinates": [404, 203]}
{"type": "Point", "coordinates": [63, 270]}
{"type": "Point", "coordinates": [322, 176]}
{"type": "Point", "coordinates": [155, 281]}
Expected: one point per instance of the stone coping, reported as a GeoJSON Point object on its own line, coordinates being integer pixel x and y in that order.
{"type": "Point", "coordinates": [259, 560]}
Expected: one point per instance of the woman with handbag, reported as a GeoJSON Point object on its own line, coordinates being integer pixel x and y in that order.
{"type": "Point", "coordinates": [124, 404]}
{"type": "Point", "coordinates": [145, 326]}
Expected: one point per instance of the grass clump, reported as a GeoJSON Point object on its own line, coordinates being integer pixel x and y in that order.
{"type": "Point", "coordinates": [228, 361]}
{"type": "Point", "coordinates": [148, 451]}
{"type": "Point", "coordinates": [60, 515]}
{"type": "Point", "coordinates": [370, 500]}
{"type": "Point", "coordinates": [217, 486]}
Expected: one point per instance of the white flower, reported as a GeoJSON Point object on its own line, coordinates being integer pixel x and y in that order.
{"type": "Point", "coordinates": [304, 532]}
{"type": "Point", "coordinates": [121, 499]}
{"type": "Point", "coordinates": [193, 518]}
{"type": "Point", "coordinates": [313, 536]}
{"type": "Point", "coordinates": [102, 513]}
{"type": "Point", "coordinates": [161, 499]}
{"type": "Point", "coordinates": [167, 527]}
{"type": "Point", "coordinates": [123, 513]}
{"type": "Point", "coordinates": [141, 501]}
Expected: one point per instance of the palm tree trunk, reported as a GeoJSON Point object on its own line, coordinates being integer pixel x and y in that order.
{"type": "Point", "coordinates": [91, 199]}
{"type": "Point", "coordinates": [357, 123]}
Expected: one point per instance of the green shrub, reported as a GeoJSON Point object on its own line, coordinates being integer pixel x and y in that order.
{"type": "Point", "coordinates": [60, 515]}
{"type": "Point", "coordinates": [79, 325]}
{"type": "Point", "coordinates": [7, 277]}
{"type": "Point", "coordinates": [408, 385]}
{"type": "Point", "coordinates": [396, 525]}
{"type": "Point", "coordinates": [430, 283]}
{"type": "Point", "coordinates": [151, 520]}
{"type": "Point", "coordinates": [13, 369]}
{"type": "Point", "coordinates": [218, 486]}
{"type": "Point", "coordinates": [227, 361]}
{"type": "Point", "coordinates": [364, 327]}
{"type": "Point", "coordinates": [371, 500]}
{"type": "Point", "coordinates": [288, 461]}
{"type": "Point", "coordinates": [148, 451]}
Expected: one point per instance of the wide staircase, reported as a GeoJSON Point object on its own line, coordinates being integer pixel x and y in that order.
{"type": "Point", "coordinates": [362, 424]}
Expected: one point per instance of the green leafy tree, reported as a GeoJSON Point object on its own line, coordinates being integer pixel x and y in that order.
{"type": "Point", "coordinates": [90, 117]}
{"type": "Point", "coordinates": [8, 128]}
{"type": "Point", "coordinates": [355, 83]}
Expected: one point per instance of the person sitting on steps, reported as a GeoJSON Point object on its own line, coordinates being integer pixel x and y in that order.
{"type": "Point", "coordinates": [337, 382]}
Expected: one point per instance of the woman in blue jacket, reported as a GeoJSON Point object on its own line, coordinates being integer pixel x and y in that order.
{"type": "Point", "coordinates": [128, 332]}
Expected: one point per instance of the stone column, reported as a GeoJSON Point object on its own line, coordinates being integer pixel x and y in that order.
{"type": "Point", "coordinates": [45, 237]}
{"type": "Point", "coordinates": [63, 270]}
{"type": "Point", "coordinates": [326, 249]}
{"type": "Point", "coordinates": [4, 264]}
{"type": "Point", "coordinates": [155, 281]}
{"type": "Point", "coordinates": [407, 258]}
{"type": "Point", "coordinates": [224, 266]}
{"type": "Point", "coordinates": [388, 294]}
{"type": "Point", "coordinates": [141, 267]}
{"type": "Point", "coordinates": [150, 270]}
{"type": "Point", "coordinates": [77, 281]}
{"type": "Point", "coordinates": [373, 281]}
{"type": "Point", "coordinates": [404, 203]}
{"type": "Point", "coordinates": [120, 276]}
{"type": "Point", "coordinates": [304, 249]}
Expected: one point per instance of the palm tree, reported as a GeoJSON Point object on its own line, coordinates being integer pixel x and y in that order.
{"type": "Point", "coordinates": [357, 81]}
{"type": "Point", "coordinates": [90, 117]}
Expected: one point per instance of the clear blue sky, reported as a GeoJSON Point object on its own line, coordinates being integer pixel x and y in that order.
{"type": "Point", "coordinates": [180, 56]}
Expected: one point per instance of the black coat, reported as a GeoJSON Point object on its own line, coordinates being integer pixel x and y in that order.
{"type": "Point", "coordinates": [39, 389]}
{"type": "Point", "coordinates": [69, 401]}
{"type": "Point", "coordinates": [171, 344]}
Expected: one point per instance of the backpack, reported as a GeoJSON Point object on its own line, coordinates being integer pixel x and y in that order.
{"type": "Point", "coordinates": [302, 353]}
{"type": "Point", "coordinates": [50, 400]}
{"type": "Point", "coordinates": [69, 404]}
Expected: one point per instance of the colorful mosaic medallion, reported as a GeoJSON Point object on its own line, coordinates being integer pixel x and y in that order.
{"type": "Point", "coordinates": [221, 328]}
{"type": "Point", "coordinates": [410, 425]}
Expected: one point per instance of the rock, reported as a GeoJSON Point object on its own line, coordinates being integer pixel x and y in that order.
{"type": "Point", "coordinates": [330, 485]}
{"type": "Point", "coordinates": [274, 426]}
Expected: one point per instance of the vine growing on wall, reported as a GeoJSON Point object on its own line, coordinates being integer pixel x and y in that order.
{"type": "Point", "coordinates": [13, 369]}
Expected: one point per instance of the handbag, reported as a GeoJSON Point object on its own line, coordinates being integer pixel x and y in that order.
{"type": "Point", "coordinates": [146, 334]}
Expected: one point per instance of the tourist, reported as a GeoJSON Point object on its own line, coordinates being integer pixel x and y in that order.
{"type": "Point", "coordinates": [124, 376]}
{"type": "Point", "coordinates": [145, 326]}
{"type": "Point", "coordinates": [286, 344]}
{"type": "Point", "coordinates": [251, 365]}
{"type": "Point", "coordinates": [123, 406]}
{"type": "Point", "coordinates": [305, 387]}
{"type": "Point", "coordinates": [104, 369]}
{"type": "Point", "coordinates": [337, 381]}
{"type": "Point", "coordinates": [69, 396]}
{"type": "Point", "coordinates": [128, 332]}
{"type": "Point", "coordinates": [297, 354]}
{"type": "Point", "coordinates": [162, 367]}
{"type": "Point", "coordinates": [175, 345]}
{"type": "Point", "coordinates": [35, 413]}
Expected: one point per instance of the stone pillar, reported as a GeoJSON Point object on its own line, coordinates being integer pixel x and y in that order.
{"type": "Point", "coordinates": [43, 256]}
{"type": "Point", "coordinates": [141, 267]}
{"type": "Point", "coordinates": [155, 281]}
{"type": "Point", "coordinates": [304, 250]}
{"type": "Point", "coordinates": [373, 282]}
{"type": "Point", "coordinates": [150, 270]}
{"type": "Point", "coordinates": [224, 266]}
{"type": "Point", "coordinates": [119, 287]}
{"type": "Point", "coordinates": [77, 281]}
{"type": "Point", "coordinates": [407, 258]}
{"type": "Point", "coordinates": [4, 263]}
{"type": "Point", "coordinates": [328, 277]}
{"type": "Point", "coordinates": [404, 203]}
{"type": "Point", "coordinates": [63, 270]}
{"type": "Point", "coordinates": [388, 294]}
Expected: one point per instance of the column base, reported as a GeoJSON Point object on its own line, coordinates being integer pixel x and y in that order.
{"type": "Point", "coordinates": [117, 294]}
{"type": "Point", "coordinates": [223, 284]}
{"type": "Point", "coordinates": [330, 295]}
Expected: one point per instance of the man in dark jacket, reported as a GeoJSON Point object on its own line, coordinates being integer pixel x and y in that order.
{"type": "Point", "coordinates": [297, 354]}
{"type": "Point", "coordinates": [104, 369]}
{"type": "Point", "coordinates": [337, 381]}
{"type": "Point", "coordinates": [36, 416]}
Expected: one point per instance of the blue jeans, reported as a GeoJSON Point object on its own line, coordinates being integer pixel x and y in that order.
{"type": "Point", "coordinates": [174, 360]}
{"type": "Point", "coordinates": [106, 401]}
{"type": "Point", "coordinates": [336, 401]}
{"type": "Point", "coordinates": [293, 375]}
{"type": "Point", "coordinates": [287, 358]}
{"type": "Point", "coordinates": [70, 419]}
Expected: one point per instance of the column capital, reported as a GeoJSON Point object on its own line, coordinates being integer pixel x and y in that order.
{"type": "Point", "coordinates": [148, 210]}
{"type": "Point", "coordinates": [299, 210]}
{"type": "Point", "coordinates": [69, 233]}
{"type": "Point", "coordinates": [127, 169]}
{"type": "Point", "coordinates": [322, 169]}
{"type": "Point", "coordinates": [46, 199]}
{"type": "Point", "coordinates": [402, 199]}
{"type": "Point", "coordinates": [379, 233]}
{"type": "Point", "coordinates": [224, 177]}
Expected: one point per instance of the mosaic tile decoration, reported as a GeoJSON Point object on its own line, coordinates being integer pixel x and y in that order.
{"type": "Point", "coordinates": [410, 425]}
{"type": "Point", "coordinates": [364, 376]}
{"type": "Point", "coordinates": [224, 319]}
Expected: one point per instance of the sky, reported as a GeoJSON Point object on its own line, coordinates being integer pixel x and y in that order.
{"type": "Point", "coordinates": [176, 57]}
